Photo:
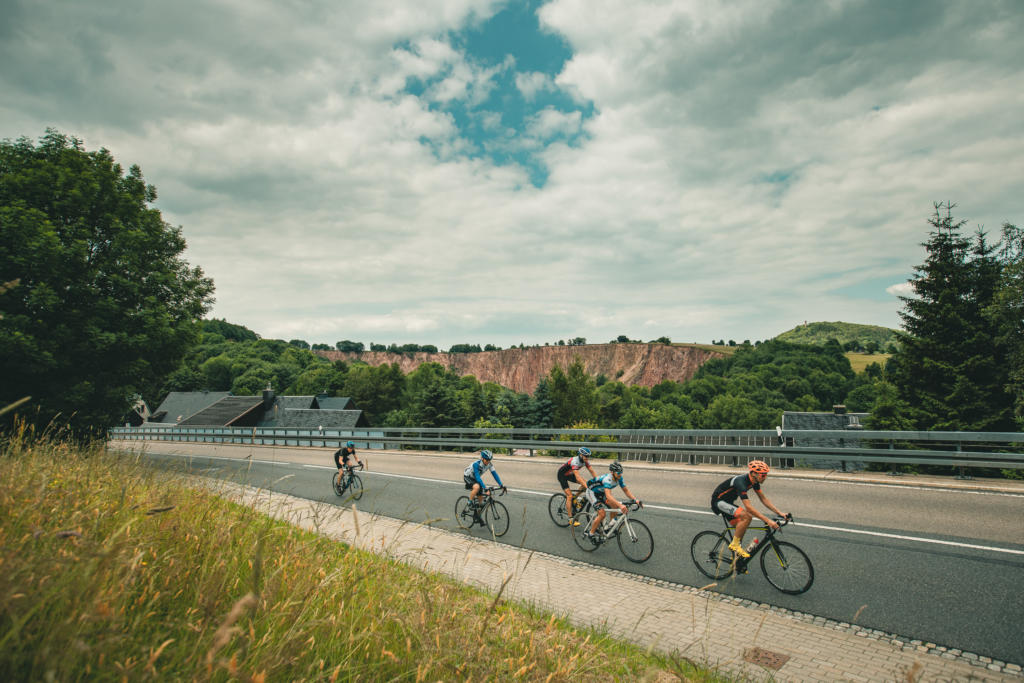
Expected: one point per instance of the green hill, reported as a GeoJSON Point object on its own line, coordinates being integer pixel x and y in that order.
{"type": "Point", "coordinates": [844, 333]}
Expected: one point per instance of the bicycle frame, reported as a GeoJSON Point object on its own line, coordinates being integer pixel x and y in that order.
{"type": "Point", "coordinates": [767, 540]}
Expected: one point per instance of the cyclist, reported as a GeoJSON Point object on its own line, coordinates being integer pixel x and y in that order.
{"type": "Point", "coordinates": [473, 478]}
{"type": "Point", "coordinates": [599, 493]}
{"type": "Point", "coordinates": [724, 498]}
{"type": "Point", "coordinates": [342, 455]}
{"type": "Point", "coordinates": [571, 468]}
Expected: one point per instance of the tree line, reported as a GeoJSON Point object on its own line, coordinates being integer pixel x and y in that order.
{"type": "Point", "coordinates": [97, 307]}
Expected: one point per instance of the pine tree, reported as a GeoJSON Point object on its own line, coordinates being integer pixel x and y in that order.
{"type": "Point", "coordinates": [951, 370]}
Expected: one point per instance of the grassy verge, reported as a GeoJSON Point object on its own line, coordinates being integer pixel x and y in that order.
{"type": "Point", "coordinates": [111, 570]}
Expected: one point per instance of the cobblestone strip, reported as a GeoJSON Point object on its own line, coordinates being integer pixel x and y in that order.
{"type": "Point", "coordinates": [709, 628]}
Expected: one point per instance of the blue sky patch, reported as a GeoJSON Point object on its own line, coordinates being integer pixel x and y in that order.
{"type": "Point", "coordinates": [511, 109]}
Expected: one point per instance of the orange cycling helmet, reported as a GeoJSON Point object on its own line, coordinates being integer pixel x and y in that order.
{"type": "Point", "coordinates": [759, 466]}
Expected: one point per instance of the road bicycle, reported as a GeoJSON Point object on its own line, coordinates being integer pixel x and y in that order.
{"type": "Point", "coordinates": [490, 513]}
{"type": "Point", "coordinates": [556, 506]}
{"type": "Point", "coordinates": [634, 538]}
{"type": "Point", "coordinates": [786, 567]}
{"type": "Point", "coordinates": [348, 482]}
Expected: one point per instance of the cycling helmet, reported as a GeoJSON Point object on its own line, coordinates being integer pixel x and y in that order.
{"type": "Point", "coordinates": [615, 467]}
{"type": "Point", "coordinates": [351, 444]}
{"type": "Point", "coordinates": [759, 466]}
{"type": "Point", "coordinates": [485, 454]}
{"type": "Point", "coordinates": [584, 451]}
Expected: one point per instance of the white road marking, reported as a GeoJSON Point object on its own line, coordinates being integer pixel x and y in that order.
{"type": "Point", "coordinates": [879, 534]}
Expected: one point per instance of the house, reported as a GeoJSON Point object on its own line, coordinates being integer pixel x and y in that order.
{"type": "Point", "coordinates": [222, 409]}
{"type": "Point", "coordinates": [836, 421]}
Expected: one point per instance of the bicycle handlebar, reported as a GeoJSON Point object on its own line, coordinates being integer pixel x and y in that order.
{"type": "Point", "coordinates": [491, 489]}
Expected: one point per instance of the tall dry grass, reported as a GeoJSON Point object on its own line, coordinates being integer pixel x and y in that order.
{"type": "Point", "coordinates": [110, 570]}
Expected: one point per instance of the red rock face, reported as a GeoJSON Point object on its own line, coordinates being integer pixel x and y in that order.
{"type": "Point", "coordinates": [521, 369]}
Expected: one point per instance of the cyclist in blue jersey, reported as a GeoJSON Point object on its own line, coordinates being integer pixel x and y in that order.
{"type": "Point", "coordinates": [571, 471]}
{"type": "Point", "coordinates": [599, 493]}
{"type": "Point", "coordinates": [472, 477]}
{"type": "Point", "coordinates": [725, 496]}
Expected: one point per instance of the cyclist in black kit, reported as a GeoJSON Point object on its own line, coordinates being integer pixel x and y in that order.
{"type": "Point", "coordinates": [342, 455]}
{"type": "Point", "coordinates": [724, 498]}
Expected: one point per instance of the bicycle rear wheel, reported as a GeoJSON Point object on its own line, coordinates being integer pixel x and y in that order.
{"type": "Point", "coordinates": [337, 483]}
{"type": "Point", "coordinates": [463, 513]}
{"type": "Point", "coordinates": [635, 541]}
{"type": "Point", "coordinates": [556, 508]}
{"type": "Point", "coordinates": [710, 552]}
{"type": "Point", "coordinates": [787, 567]}
{"type": "Point", "coordinates": [355, 487]}
{"type": "Point", "coordinates": [585, 518]}
{"type": "Point", "coordinates": [496, 518]}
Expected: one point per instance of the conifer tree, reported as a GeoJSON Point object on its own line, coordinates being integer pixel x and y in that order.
{"type": "Point", "coordinates": [952, 367]}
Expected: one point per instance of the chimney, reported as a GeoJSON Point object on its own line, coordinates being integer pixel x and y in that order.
{"type": "Point", "coordinates": [268, 397]}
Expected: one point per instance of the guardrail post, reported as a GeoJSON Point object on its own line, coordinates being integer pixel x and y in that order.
{"type": "Point", "coordinates": [892, 471]}
{"type": "Point", "coordinates": [963, 474]}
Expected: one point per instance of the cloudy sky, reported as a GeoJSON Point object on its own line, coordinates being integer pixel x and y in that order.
{"type": "Point", "coordinates": [476, 171]}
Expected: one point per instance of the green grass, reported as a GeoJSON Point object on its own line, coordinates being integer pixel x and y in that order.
{"type": "Point", "coordinates": [111, 570]}
{"type": "Point", "coordinates": [859, 361]}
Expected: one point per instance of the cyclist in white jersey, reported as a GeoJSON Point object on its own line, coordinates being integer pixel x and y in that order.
{"type": "Point", "coordinates": [599, 492]}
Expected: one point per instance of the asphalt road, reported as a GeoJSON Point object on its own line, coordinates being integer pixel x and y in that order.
{"type": "Point", "coordinates": [941, 566]}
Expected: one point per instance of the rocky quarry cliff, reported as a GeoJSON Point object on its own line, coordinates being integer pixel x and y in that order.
{"type": "Point", "coordinates": [521, 369]}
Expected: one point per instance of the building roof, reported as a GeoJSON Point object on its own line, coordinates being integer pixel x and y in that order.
{"type": "Point", "coordinates": [224, 412]}
{"type": "Point", "coordinates": [334, 403]}
{"type": "Point", "coordinates": [314, 419]}
{"type": "Point", "coordinates": [185, 404]}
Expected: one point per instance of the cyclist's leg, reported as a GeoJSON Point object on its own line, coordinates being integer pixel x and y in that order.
{"type": "Point", "coordinates": [599, 508]}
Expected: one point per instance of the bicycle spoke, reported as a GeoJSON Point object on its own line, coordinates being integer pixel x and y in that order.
{"type": "Point", "coordinates": [787, 567]}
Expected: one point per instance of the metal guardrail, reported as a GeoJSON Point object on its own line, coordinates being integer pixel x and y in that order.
{"type": "Point", "coordinates": [1003, 450]}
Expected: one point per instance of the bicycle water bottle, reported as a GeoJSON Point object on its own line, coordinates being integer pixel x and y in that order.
{"type": "Point", "coordinates": [753, 544]}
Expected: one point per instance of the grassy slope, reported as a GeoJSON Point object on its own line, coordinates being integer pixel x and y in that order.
{"type": "Point", "coordinates": [110, 570]}
{"type": "Point", "coordinates": [820, 332]}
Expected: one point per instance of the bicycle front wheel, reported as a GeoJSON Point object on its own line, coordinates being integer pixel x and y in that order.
{"type": "Point", "coordinates": [710, 552]}
{"type": "Point", "coordinates": [635, 541]}
{"type": "Point", "coordinates": [787, 567]}
{"type": "Point", "coordinates": [463, 513]}
{"type": "Point", "coordinates": [355, 487]}
{"type": "Point", "coordinates": [496, 518]}
{"type": "Point", "coordinates": [581, 524]}
{"type": "Point", "coordinates": [556, 508]}
{"type": "Point", "coordinates": [337, 483]}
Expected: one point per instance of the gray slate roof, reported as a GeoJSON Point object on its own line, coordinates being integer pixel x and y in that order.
{"type": "Point", "coordinates": [314, 419]}
{"type": "Point", "coordinates": [223, 412]}
{"type": "Point", "coordinates": [185, 404]}
{"type": "Point", "coordinates": [334, 402]}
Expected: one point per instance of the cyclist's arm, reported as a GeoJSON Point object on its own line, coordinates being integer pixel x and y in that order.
{"type": "Point", "coordinates": [768, 504]}
{"type": "Point", "coordinates": [592, 472]}
{"type": "Point", "coordinates": [494, 472]}
{"type": "Point", "coordinates": [476, 475]}
{"type": "Point", "coordinates": [581, 480]}
{"type": "Point", "coordinates": [629, 493]}
{"type": "Point", "coordinates": [754, 511]}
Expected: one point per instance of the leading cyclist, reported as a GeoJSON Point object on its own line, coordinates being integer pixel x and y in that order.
{"type": "Point", "coordinates": [571, 468]}
{"type": "Point", "coordinates": [724, 498]}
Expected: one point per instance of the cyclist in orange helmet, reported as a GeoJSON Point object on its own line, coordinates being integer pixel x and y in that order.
{"type": "Point", "coordinates": [723, 502]}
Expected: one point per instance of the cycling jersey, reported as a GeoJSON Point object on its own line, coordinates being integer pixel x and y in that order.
{"type": "Point", "coordinates": [477, 469]}
{"type": "Point", "coordinates": [731, 489]}
{"type": "Point", "coordinates": [576, 462]}
{"type": "Point", "coordinates": [341, 456]}
{"type": "Point", "coordinates": [605, 482]}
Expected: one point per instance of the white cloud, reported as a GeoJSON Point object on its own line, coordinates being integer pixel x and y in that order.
{"type": "Point", "coordinates": [743, 164]}
{"type": "Point", "coordinates": [901, 289]}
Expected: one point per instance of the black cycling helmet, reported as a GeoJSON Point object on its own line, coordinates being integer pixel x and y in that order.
{"type": "Point", "coordinates": [615, 467]}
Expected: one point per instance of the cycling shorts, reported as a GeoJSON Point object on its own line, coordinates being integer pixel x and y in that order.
{"type": "Point", "coordinates": [727, 510]}
{"type": "Point", "coordinates": [596, 498]}
{"type": "Point", "coordinates": [566, 478]}
{"type": "Point", "coordinates": [470, 482]}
